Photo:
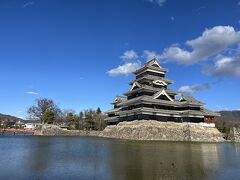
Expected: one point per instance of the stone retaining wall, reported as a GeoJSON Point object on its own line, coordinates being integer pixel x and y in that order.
{"type": "Point", "coordinates": [234, 134]}
{"type": "Point", "coordinates": [163, 131]}
{"type": "Point", "coordinates": [54, 130]}
{"type": "Point", "coordinates": [145, 130]}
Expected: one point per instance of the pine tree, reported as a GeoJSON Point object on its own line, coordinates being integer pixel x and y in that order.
{"type": "Point", "coordinates": [48, 116]}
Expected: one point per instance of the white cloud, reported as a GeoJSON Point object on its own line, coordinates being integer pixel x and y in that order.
{"type": "Point", "coordinates": [172, 18]}
{"type": "Point", "coordinates": [158, 2]}
{"type": "Point", "coordinates": [131, 64]}
{"type": "Point", "coordinates": [239, 3]}
{"type": "Point", "coordinates": [224, 66]}
{"type": "Point", "coordinates": [32, 93]}
{"type": "Point", "coordinates": [129, 55]}
{"type": "Point", "coordinates": [194, 88]}
{"type": "Point", "coordinates": [29, 3]}
{"type": "Point", "coordinates": [125, 69]}
{"type": "Point", "coordinates": [148, 55]}
{"type": "Point", "coordinates": [211, 42]}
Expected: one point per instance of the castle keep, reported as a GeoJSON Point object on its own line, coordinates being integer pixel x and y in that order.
{"type": "Point", "coordinates": [150, 99]}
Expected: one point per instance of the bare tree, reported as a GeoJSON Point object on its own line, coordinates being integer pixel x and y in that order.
{"type": "Point", "coordinates": [42, 106]}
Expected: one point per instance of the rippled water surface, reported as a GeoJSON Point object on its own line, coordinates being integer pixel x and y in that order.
{"type": "Point", "coordinates": [30, 157]}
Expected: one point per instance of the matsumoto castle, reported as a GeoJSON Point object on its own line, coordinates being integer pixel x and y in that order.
{"type": "Point", "coordinates": [150, 99]}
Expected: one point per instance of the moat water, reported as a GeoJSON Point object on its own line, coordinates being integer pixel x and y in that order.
{"type": "Point", "coordinates": [31, 157]}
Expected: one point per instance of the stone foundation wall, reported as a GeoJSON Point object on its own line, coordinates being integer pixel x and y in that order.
{"type": "Point", "coordinates": [163, 131]}
{"type": "Point", "coordinates": [234, 134]}
{"type": "Point", "coordinates": [53, 130]}
{"type": "Point", "coordinates": [145, 130]}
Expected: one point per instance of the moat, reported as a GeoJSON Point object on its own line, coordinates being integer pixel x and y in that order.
{"type": "Point", "coordinates": [33, 157]}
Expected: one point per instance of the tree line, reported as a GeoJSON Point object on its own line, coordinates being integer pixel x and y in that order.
{"type": "Point", "coordinates": [48, 112]}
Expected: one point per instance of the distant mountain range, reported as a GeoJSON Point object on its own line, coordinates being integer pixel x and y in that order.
{"type": "Point", "coordinates": [229, 116]}
{"type": "Point", "coordinates": [4, 117]}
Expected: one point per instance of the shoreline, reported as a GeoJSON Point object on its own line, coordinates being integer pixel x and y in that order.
{"type": "Point", "coordinates": [146, 130]}
{"type": "Point", "coordinates": [132, 140]}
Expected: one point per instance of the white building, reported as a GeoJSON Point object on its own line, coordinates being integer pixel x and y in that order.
{"type": "Point", "coordinates": [32, 126]}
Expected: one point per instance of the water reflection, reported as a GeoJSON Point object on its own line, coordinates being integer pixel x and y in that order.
{"type": "Point", "coordinates": [95, 158]}
{"type": "Point", "coordinates": [69, 157]}
{"type": "Point", "coordinates": [39, 156]}
{"type": "Point", "coordinates": [165, 160]}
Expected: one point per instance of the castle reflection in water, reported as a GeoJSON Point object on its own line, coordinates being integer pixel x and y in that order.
{"type": "Point", "coordinates": [98, 158]}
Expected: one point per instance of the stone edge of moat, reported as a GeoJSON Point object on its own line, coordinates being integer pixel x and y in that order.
{"type": "Point", "coordinates": [148, 130]}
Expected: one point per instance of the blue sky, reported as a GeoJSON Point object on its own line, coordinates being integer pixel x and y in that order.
{"type": "Point", "coordinates": [81, 53]}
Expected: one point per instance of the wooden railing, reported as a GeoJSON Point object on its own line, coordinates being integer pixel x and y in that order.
{"type": "Point", "coordinates": [15, 131]}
